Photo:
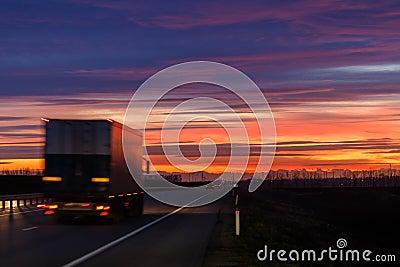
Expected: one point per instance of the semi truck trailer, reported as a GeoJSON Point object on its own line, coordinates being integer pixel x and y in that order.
{"type": "Point", "coordinates": [85, 169]}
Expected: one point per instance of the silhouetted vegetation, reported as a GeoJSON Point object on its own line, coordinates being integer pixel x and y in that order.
{"type": "Point", "coordinates": [313, 218]}
{"type": "Point", "coordinates": [20, 184]}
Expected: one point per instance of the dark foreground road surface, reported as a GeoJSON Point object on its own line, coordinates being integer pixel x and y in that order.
{"type": "Point", "coordinates": [29, 238]}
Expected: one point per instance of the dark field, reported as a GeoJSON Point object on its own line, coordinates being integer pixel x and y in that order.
{"type": "Point", "coordinates": [307, 219]}
{"type": "Point", "coordinates": [20, 184]}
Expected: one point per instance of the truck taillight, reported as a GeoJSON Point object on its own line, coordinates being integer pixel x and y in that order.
{"type": "Point", "coordinates": [44, 206]}
{"type": "Point", "coordinates": [102, 207]}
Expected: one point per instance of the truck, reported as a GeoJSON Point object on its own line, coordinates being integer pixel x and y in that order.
{"type": "Point", "coordinates": [85, 170]}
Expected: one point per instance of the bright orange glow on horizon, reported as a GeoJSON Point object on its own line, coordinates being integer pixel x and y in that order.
{"type": "Point", "coordinates": [342, 136]}
{"type": "Point", "coordinates": [16, 164]}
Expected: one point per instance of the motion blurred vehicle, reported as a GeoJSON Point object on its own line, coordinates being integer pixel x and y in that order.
{"type": "Point", "coordinates": [85, 169]}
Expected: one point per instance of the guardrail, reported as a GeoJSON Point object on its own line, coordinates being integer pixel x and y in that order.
{"type": "Point", "coordinates": [32, 199]}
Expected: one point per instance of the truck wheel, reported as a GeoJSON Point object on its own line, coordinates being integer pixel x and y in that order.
{"type": "Point", "coordinates": [117, 216]}
{"type": "Point", "coordinates": [62, 219]}
{"type": "Point", "coordinates": [130, 211]}
{"type": "Point", "coordinates": [117, 211]}
{"type": "Point", "coordinates": [59, 219]}
{"type": "Point", "coordinates": [140, 205]}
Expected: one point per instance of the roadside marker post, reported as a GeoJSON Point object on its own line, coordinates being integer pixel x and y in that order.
{"type": "Point", "coordinates": [237, 215]}
{"type": "Point", "coordinates": [237, 222]}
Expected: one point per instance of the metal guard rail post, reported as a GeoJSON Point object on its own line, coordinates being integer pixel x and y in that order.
{"type": "Point", "coordinates": [37, 197]}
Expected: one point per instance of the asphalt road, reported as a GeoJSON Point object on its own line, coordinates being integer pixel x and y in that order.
{"type": "Point", "coordinates": [29, 238]}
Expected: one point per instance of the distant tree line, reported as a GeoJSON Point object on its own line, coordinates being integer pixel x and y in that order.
{"type": "Point", "coordinates": [24, 172]}
{"type": "Point", "coordinates": [334, 173]}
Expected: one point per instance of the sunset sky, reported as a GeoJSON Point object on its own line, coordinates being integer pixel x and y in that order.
{"type": "Point", "coordinates": [330, 71]}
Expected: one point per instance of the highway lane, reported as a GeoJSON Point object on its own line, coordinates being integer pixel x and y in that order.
{"type": "Point", "coordinates": [180, 240]}
{"type": "Point", "coordinates": [32, 239]}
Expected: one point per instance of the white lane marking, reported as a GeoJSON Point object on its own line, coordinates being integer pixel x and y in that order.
{"type": "Point", "coordinates": [119, 240]}
{"type": "Point", "coordinates": [122, 238]}
{"type": "Point", "coordinates": [30, 228]}
{"type": "Point", "coordinates": [14, 213]}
